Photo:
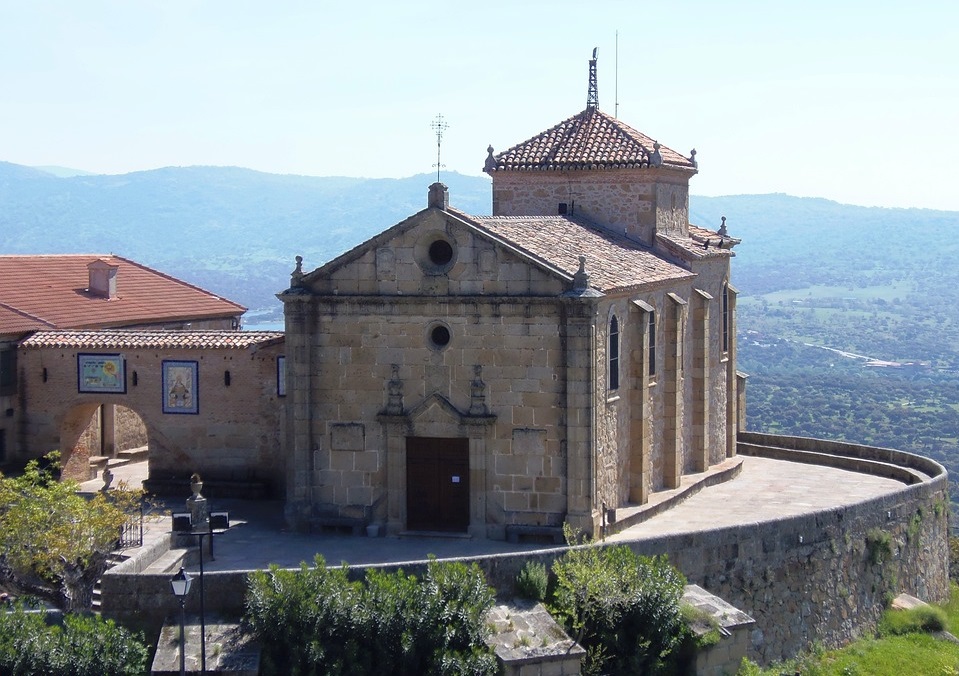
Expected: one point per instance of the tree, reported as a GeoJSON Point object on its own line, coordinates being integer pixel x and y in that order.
{"type": "Point", "coordinates": [54, 542]}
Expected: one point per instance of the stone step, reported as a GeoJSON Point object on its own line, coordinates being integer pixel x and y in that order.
{"type": "Point", "coordinates": [134, 454]}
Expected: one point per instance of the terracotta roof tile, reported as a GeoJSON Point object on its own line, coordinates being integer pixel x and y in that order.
{"type": "Point", "coordinates": [695, 246]}
{"type": "Point", "coordinates": [128, 340]}
{"type": "Point", "coordinates": [52, 289]}
{"type": "Point", "coordinates": [612, 261]}
{"type": "Point", "coordinates": [590, 140]}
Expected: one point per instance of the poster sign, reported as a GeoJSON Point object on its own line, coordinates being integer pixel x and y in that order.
{"type": "Point", "coordinates": [180, 393]}
{"type": "Point", "coordinates": [101, 373]}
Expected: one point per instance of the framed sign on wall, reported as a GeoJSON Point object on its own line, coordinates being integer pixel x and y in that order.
{"type": "Point", "coordinates": [180, 387]}
{"type": "Point", "coordinates": [101, 373]}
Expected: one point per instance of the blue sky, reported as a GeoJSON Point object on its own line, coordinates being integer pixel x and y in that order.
{"type": "Point", "coordinates": [853, 101]}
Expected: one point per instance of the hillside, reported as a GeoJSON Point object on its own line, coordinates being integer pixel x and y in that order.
{"type": "Point", "coordinates": [847, 320]}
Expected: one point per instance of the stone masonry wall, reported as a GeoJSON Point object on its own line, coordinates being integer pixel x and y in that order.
{"type": "Point", "coordinates": [631, 200]}
{"type": "Point", "coordinates": [235, 437]}
{"type": "Point", "coordinates": [811, 579]}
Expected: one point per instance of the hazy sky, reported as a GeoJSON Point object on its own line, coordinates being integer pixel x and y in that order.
{"type": "Point", "coordinates": [854, 101]}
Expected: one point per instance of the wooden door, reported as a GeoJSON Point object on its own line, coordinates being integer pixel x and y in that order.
{"type": "Point", "coordinates": [437, 484]}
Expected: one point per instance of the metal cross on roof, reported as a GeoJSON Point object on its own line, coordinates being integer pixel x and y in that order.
{"type": "Point", "coordinates": [592, 96]}
{"type": "Point", "coordinates": [439, 126]}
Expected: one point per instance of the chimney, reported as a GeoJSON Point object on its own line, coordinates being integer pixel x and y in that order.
{"type": "Point", "coordinates": [103, 279]}
{"type": "Point", "coordinates": [439, 196]}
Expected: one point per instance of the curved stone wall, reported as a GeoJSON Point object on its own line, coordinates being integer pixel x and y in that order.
{"type": "Point", "coordinates": [819, 578]}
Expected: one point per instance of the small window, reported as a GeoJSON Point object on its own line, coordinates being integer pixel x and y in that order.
{"type": "Point", "coordinates": [614, 353]}
{"type": "Point", "coordinates": [440, 252]}
{"type": "Point", "coordinates": [652, 343]}
{"type": "Point", "coordinates": [8, 372]}
{"type": "Point", "coordinates": [439, 336]}
{"type": "Point", "coordinates": [725, 312]}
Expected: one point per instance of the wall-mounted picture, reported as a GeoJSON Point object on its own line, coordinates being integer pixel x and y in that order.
{"type": "Point", "coordinates": [101, 373]}
{"type": "Point", "coordinates": [180, 387]}
{"type": "Point", "coordinates": [281, 376]}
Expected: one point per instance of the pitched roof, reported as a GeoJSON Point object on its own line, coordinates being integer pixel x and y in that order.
{"type": "Point", "coordinates": [126, 340]}
{"type": "Point", "coordinates": [590, 140]}
{"type": "Point", "coordinates": [613, 262]}
{"type": "Point", "coordinates": [51, 291]}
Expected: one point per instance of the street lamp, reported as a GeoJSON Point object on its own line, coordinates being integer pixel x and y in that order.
{"type": "Point", "coordinates": [181, 587]}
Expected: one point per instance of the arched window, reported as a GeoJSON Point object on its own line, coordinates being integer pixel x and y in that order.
{"type": "Point", "coordinates": [614, 353]}
{"type": "Point", "coordinates": [652, 343]}
{"type": "Point", "coordinates": [725, 309]}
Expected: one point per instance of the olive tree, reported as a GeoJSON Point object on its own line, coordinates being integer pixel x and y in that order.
{"type": "Point", "coordinates": [54, 542]}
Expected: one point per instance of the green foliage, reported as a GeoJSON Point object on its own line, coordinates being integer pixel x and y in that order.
{"type": "Point", "coordinates": [954, 558]}
{"type": "Point", "coordinates": [878, 545]}
{"type": "Point", "coordinates": [707, 626]}
{"type": "Point", "coordinates": [53, 542]}
{"type": "Point", "coordinates": [922, 618]}
{"type": "Point", "coordinates": [85, 645]}
{"type": "Point", "coordinates": [623, 608]}
{"type": "Point", "coordinates": [316, 621]}
{"type": "Point", "coordinates": [532, 581]}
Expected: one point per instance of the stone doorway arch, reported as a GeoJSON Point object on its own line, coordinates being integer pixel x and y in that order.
{"type": "Point", "coordinates": [93, 433]}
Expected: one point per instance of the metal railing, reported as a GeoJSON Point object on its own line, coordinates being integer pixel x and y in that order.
{"type": "Point", "coordinates": [131, 533]}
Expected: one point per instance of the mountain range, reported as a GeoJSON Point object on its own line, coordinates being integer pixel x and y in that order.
{"type": "Point", "coordinates": [873, 286]}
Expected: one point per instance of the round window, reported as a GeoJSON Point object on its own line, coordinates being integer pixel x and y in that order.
{"type": "Point", "coordinates": [440, 252]}
{"type": "Point", "coordinates": [440, 336]}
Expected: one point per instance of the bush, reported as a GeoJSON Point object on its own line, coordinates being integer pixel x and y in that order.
{"type": "Point", "coordinates": [623, 608]}
{"type": "Point", "coordinates": [914, 620]}
{"type": "Point", "coordinates": [85, 645]}
{"type": "Point", "coordinates": [316, 621]}
{"type": "Point", "coordinates": [532, 581]}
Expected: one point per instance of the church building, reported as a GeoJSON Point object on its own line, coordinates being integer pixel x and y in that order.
{"type": "Point", "coordinates": [500, 375]}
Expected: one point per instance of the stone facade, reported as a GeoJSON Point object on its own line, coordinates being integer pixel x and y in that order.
{"type": "Point", "coordinates": [568, 355]}
{"type": "Point", "coordinates": [234, 436]}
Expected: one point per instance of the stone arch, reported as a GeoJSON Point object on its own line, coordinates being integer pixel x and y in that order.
{"type": "Point", "coordinates": [98, 428]}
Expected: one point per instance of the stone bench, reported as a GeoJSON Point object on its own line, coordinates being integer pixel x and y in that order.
{"type": "Point", "coordinates": [337, 524]}
{"type": "Point", "coordinates": [516, 533]}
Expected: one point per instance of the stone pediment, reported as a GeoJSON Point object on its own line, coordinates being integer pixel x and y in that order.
{"type": "Point", "coordinates": [436, 409]}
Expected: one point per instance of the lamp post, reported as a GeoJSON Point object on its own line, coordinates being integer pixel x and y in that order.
{"type": "Point", "coordinates": [181, 587]}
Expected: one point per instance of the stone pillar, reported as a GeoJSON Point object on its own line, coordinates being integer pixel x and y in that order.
{"type": "Point", "coordinates": [700, 380]}
{"type": "Point", "coordinates": [640, 436]}
{"type": "Point", "coordinates": [580, 340]}
{"type": "Point", "coordinates": [300, 323]}
{"type": "Point", "coordinates": [108, 426]}
{"type": "Point", "coordinates": [733, 397]}
{"type": "Point", "coordinates": [674, 321]}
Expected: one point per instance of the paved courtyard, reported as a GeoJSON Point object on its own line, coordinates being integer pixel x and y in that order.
{"type": "Point", "coordinates": [764, 490]}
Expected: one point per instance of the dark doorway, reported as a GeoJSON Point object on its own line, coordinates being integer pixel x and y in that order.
{"type": "Point", "coordinates": [437, 484]}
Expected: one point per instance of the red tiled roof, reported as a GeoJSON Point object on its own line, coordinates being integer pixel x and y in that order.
{"type": "Point", "coordinates": [127, 340]}
{"type": "Point", "coordinates": [612, 261]}
{"type": "Point", "coordinates": [14, 322]}
{"type": "Point", "coordinates": [52, 289]}
{"type": "Point", "coordinates": [590, 140]}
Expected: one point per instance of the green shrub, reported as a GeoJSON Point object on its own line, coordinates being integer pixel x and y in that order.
{"type": "Point", "coordinates": [914, 620]}
{"type": "Point", "coordinates": [85, 645]}
{"type": "Point", "coordinates": [532, 581]}
{"type": "Point", "coordinates": [316, 621]}
{"type": "Point", "coordinates": [623, 608]}
{"type": "Point", "coordinates": [878, 545]}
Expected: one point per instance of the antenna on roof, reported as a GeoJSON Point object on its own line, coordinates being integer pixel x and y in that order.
{"type": "Point", "coordinates": [592, 98]}
{"type": "Point", "coordinates": [439, 126]}
{"type": "Point", "coordinates": [616, 80]}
